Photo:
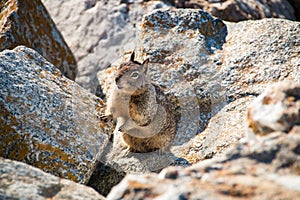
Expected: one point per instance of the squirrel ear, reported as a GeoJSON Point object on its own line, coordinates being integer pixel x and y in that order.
{"type": "Point", "coordinates": [132, 56]}
{"type": "Point", "coordinates": [145, 65]}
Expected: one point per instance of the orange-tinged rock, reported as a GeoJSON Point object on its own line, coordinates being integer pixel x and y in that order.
{"type": "Point", "coordinates": [28, 23]}
{"type": "Point", "coordinates": [47, 120]}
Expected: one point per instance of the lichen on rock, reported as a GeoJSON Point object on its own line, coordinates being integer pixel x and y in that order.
{"type": "Point", "coordinates": [28, 23]}
{"type": "Point", "coordinates": [21, 181]}
{"type": "Point", "coordinates": [47, 120]}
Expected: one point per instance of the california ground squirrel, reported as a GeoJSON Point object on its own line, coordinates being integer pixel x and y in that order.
{"type": "Point", "coordinates": [146, 118]}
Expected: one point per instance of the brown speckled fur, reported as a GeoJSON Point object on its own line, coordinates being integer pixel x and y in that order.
{"type": "Point", "coordinates": [143, 101]}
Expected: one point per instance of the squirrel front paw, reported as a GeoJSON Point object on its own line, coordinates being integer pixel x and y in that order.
{"type": "Point", "coordinates": [123, 129]}
{"type": "Point", "coordinates": [127, 126]}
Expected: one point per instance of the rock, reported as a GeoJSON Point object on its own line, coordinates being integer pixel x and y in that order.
{"type": "Point", "coordinates": [239, 10]}
{"type": "Point", "coordinates": [28, 23]}
{"type": "Point", "coordinates": [47, 120]}
{"type": "Point", "coordinates": [98, 32]}
{"type": "Point", "coordinates": [223, 130]}
{"type": "Point", "coordinates": [266, 169]}
{"type": "Point", "coordinates": [277, 109]}
{"type": "Point", "coordinates": [21, 181]}
{"type": "Point", "coordinates": [256, 55]}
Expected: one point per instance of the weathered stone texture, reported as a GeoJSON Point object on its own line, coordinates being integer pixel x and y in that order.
{"type": "Point", "coordinates": [99, 32]}
{"type": "Point", "coordinates": [47, 120]}
{"type": "Point", "coordinates": [277, 109]}
{"type": "Point", "coordinates": [243, 174]}
{"type": "Point", "coordinates": [258, 168]}
{"type": "Point", "coordinates": [28, 23]}
{"type": "Point", "coordinates": [239, 10]}
{"type": "Point", "coordinates": [256, 55]}
{"type": "Point", "coordinates": [21, 181]}
{"type": "Point", "coordinates": [259, 53]}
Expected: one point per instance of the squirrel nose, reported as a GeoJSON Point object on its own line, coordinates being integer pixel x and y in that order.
{"type": "Point", "coordinates": [117, 79]}
{"type": "Point", "coordinates": [117, 83]}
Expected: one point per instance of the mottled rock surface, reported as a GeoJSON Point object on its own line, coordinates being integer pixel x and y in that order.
{"type": "Point", "coordinates": [278, 108]}
{"type": "Point", "coordinates": [47, 120]}
{"type": "Point", "coordinates": [28, 23]}
{"type": "Point", "coordinates": [21, 181]}
{"type": "Point", "coordinates": [239, 10]}
{"type": "Point", "coordinates": [259, 168]}
{"type": "Point", "coordinates": [256, 55]}
{"type": "Point", "coordinates": [266, 170]}
{"type": "Point", "coordinates": [98, 32]}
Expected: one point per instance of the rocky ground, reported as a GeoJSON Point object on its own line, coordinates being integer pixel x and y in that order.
{"type": "Point", "coordinates": [234, 71]}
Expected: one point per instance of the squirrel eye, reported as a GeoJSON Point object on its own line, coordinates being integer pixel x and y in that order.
{"type": "Point", "coordinates": [134, 75]}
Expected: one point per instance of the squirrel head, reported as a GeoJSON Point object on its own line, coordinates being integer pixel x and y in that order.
{"type": "Point", "coordinates": [132, 76]}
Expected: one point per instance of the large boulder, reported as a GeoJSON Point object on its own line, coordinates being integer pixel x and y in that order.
{"type": "Point", "coordinates": [256, 55]}
{"type": "Point", "coordinates": [47, 120]}
{"type": "Point", "coordinates": [21, 181]}
{"type": "Point", "coordinates": [28, 23]}
{"type": "Point", "coordinates": [239, 10]}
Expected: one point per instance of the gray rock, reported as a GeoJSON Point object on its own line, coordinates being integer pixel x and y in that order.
{"type": "Point", "coordinates": [21, 181]}
{"type": "Point", "coordinates": [47, 120]}
{"type": "Point", "coordinates": [256, 55]}
{"type": "Point", "coordinates": [28, 23]}
{"type": "Point", "coordinates": [265, 169]}
{"type": "Point", "coordinates": [239, 10]}
{"type": "Point", "coordinates": [115, 164]}
{"type": "Point", "coordinates": [276, 109]}
{"type": "Point", "coordinates": [98, 32]}
{"type": "Point", "coordinates": [259, 53]}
